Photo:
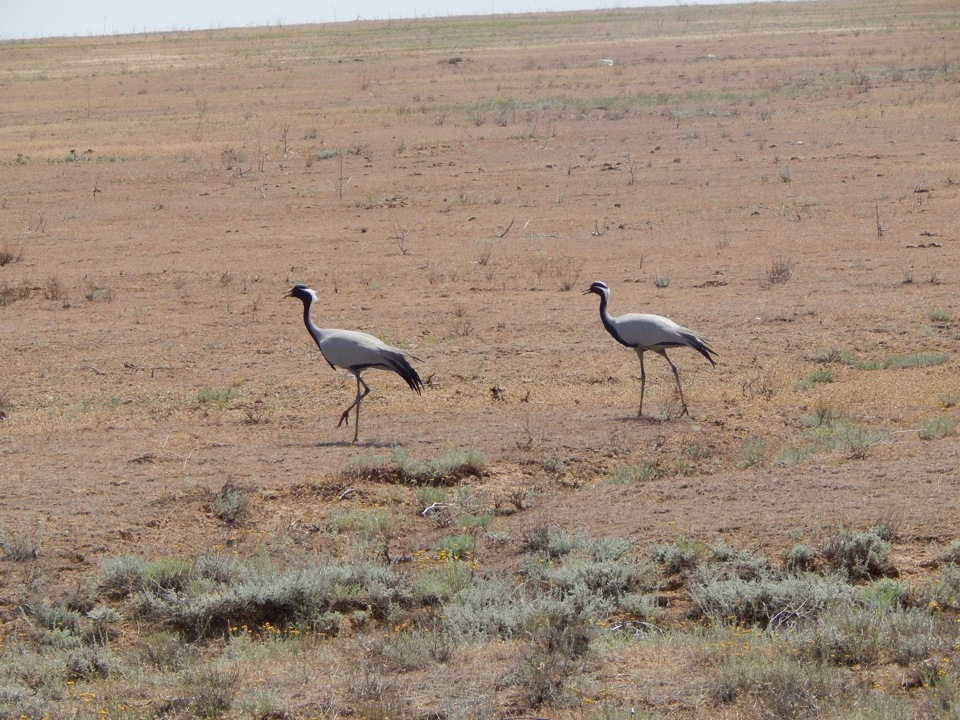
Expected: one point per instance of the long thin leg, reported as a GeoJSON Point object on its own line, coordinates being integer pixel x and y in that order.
{"type": "Point", "coordinates": [345, 417]}
{"type": "Point", "coordinates": [366, 391]}
{"type": "Point", "coordinates": [676, 375]}
{"type": "Point", "coordinates": [643, 382]}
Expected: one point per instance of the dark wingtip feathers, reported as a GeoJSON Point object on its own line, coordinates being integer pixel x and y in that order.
{"type": "Point", "coordinates": [700, 346]}
{"type": "Point", "coordinates": [410, 375]}
{"type": "Point", "coordinates": [402, 367]}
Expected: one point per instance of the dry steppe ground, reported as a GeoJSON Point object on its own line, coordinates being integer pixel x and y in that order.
{"type": "Point", "coordinates": [782, 178]}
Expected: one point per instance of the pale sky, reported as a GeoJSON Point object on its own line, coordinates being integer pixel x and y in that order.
{"type": "Point", "coordinates": [54, 18]}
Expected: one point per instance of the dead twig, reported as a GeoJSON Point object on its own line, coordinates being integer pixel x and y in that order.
{"type": "Point", "coordinates": [434, 507]}
{"type": "Point", "coordinates": [597, 232]}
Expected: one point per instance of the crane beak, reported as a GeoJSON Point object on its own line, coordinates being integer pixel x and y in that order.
{"type": "Point", "coordinates": [287, 294]}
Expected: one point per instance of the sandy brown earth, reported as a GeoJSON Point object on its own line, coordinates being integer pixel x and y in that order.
{"type": "Point", "coordinates": [160, 194]}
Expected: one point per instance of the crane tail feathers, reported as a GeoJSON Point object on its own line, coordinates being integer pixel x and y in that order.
{"type": "Point", "coordinates": [700, 346]}
{"type": "Point", "coordinates": [401, 366]}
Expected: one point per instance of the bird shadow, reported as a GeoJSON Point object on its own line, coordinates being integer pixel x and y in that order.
{"type": "Point", "coordinates": [649, 419]}
{"type": "Point", "coordinates": [343, 443]}
{"type": "Point", "coordinates": [349, 444]}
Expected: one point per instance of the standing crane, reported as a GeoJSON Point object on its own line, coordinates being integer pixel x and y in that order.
{"type": "Point", "coordinates": [642, 332]}
{"type": "Point", "coordinates": [355, 352]}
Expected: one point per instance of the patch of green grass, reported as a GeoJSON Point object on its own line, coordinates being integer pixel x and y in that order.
{"type": "Point", "coordinates": [26, 543]}
{"type": "Point", "coordinates": [853, 440]}
{"type": "Point", "coordinates": [750, 667]}
{"type": "Point", "coordinates": [630, 474]}
{"type": "Point", "coordinates": [940, 315]}
{"type": "Point", "coordinates": [751, 453]}
{"type": "Point", "coordinates": [889, 362]}
{"type": "Point", "coordinates": [214, 398]}
{"type": "Point", "coordinates": [369, 522]}
{"type": "Point", "coordinates": [824, 432]}
{"type": "Point", "coordinates": [885, 594]}
{"type": "Point", "coordinates": [834, 355]}
{"type": "Point", "coordinates": [447, 468]}
{"type": "Point", "coordinates": [936, 428]}
{"type": "Point", "coordinates": [456, 547]}
{"type": "Point", "coordinates": [793, 455]}
{"type": "Point", "coordinates": [916, 360]}
{"type": "Point", "coordinates": [818, 376]}
{"type": "Point", "coordinates": [471, 521]}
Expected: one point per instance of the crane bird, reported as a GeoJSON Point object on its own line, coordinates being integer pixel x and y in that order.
{"type": "Point", "coordinates": [355, 352]}
{"type": "Point", "coordinates": [642, 332]}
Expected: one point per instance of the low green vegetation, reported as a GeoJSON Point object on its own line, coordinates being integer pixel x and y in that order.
{"type": "Point", "coordinates": [937, 427]}
{"type": "Point", "coordinates": [212, 398]}
{"type": "Point", "coordinates": [887, 362]}
{"type": "Point", "coordinates": [400, 467]}
{"type": "Point", "coordinates": [821, 632]}
{"type": "Point", "coordinates": [821, 375]}
{"type": "Point", "coordinates": [825, 432]}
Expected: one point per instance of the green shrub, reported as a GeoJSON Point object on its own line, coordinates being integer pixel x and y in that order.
{"type": "Point", "coordinates": [446, 469]}
{"type": "Point", "coordinates": [800, 558]}
{"type": "Point", "coordinates": [212, 398]}
{"type": "Point", "coordinates": [936, 428]}
{"type": "Point", "coordinates": [556, 643]}
{"type": "Point", "coordinates": [751, 453]}
{"type": "Point", "coordinates": [315, 595]}
{"type": "Point", "coordinates": [765, 601]}
{"type": "Point", "coordinates": [438, 583]}
{"type": "Point", "coordinates": [229, 503]}
{"type": "Point", "coordinates": [950, 554]}
{"type": "Point", "coordinates": [57, 620]}
{"type": "Point", "coordinates": [743, 564]}
{"type": "Point", "coordinates": [26, 543]}
{"type": "Point", "coordinates": [588, 587]}
{"type": "Point", "coordinates": [944, 589]}
{"type": "Point", "coordinates": [552, 541]}
{"type": "Point", "coordinates": [861, 555]}
{"type": "Point", "coordinates": [456, 547]}
{"type": "Point", "coordinates": [630, 474]}
{"type": "Point", "coordinates": [683, 554]}
{"type": "Point", "coordinates": [821, 375]}
{"type": "Point", "coordinates": [865, 635]}
{"type": "Point", "coordinates": [487, 607]}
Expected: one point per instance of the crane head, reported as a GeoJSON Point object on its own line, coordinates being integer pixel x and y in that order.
{"type": "Point", "coordinates": [598, 288]}
{"type": "Point", "coordinates": [302, 292]}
